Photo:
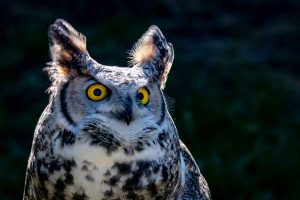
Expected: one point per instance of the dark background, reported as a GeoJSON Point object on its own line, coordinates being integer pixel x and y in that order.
{"type": "Point", "coordinates": [235, 82]}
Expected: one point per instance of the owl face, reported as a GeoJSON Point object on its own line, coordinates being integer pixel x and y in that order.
{"type": "Point", "coordinates": [120, 97]}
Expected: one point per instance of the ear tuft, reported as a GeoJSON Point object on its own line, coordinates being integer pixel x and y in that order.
{"type": "Point", "coordinates": [154, 54]}
{"type": "Point", "coordinates": [144, 49]}
{"type": "Point", "coordinates": [65, 41]}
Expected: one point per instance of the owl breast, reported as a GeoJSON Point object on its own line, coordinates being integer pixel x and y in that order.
{"type": "Point", "coordinates": [103, 165]}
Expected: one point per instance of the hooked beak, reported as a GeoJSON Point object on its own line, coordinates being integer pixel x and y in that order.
{"type": "Point", "coordinates": [127, 117]}
{"type": "Point", "coordinates": [126, 114]}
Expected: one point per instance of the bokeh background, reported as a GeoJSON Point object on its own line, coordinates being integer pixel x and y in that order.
{"type": "Point", "coordinates": [234, 87]}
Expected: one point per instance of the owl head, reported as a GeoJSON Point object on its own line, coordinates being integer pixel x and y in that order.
{"type": "Point", "coordinates": [123, 97]}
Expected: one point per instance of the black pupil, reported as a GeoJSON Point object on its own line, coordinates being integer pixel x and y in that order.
{"type": "Point", "coordinates": [140, 96]}
{"type": "Point", "coordinates": [97, 92]}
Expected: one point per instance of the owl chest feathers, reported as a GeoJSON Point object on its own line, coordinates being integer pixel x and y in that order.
{"type": "Point", "coordinates": [95, 160]}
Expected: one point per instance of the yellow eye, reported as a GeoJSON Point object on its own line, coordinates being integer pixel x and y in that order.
{"type": "Point", "coordinates": [96, 92]}
{"type": "Point", "coordinates": [143, 96]}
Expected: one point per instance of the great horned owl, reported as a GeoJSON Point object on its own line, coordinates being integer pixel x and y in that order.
{"type": "Point", "coordinates": [106, 132]}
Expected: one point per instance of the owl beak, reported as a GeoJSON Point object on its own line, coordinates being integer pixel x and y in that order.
{"type": "Point", "coordinates": [127, 118]}
{"type": "Point", "coordinates": [126, 114]}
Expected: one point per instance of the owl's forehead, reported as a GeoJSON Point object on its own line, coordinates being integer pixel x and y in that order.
{"type": "Point", "coordinates": [121, 76]}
